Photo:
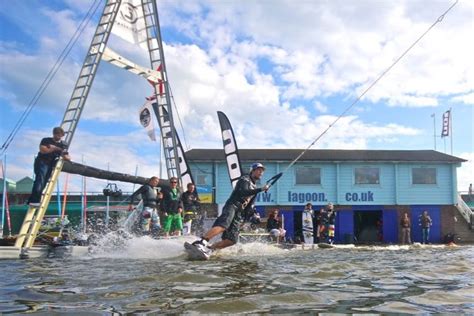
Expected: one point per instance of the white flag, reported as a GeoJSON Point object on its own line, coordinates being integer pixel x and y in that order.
{"type": "Point", "coordinates": [147, 120]}
{"type": "Point", "coordinates": [130, 24]}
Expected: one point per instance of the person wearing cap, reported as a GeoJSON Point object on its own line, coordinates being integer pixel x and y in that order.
{"type": "Point", "coordinates": [240, 202]}
{"type": "Point", "coordinates": [50, 149]}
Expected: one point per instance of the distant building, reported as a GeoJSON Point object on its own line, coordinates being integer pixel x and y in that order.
{"type": "Point", "coordinates": [11, 185]}
{"type": "Point", "coordinates": [371, 189]}
{"type": "Point", "coordinates": [24, 185]}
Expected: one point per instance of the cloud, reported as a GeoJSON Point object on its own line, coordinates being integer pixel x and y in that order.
{"type": "Point", "coordinates": [467, 98]}
{"type": "Point", "coordinates": [269, 72]}
{"type": "Point", "coordinates": [466, 172]}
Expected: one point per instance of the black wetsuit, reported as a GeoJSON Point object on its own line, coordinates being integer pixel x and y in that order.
{"type": "Point", "coordinates": [241, 200]}
{"type": "Point", "coordinates": [148, 194]}
{"type": "Point", "coordinates": [191, 205]}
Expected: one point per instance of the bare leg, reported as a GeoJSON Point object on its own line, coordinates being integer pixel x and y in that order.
{"type": "Point", "coordinates": [214, 231]}
{"type": "Point", "coordinates": [222, 244]}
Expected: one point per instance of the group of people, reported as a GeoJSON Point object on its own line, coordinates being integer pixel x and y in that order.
{"type": "Point", "coordinates": [425, 223]}
{"type": "Point", "coordinates": [166, 211]}
{"type": "Point", "coordinates": [318, 226]}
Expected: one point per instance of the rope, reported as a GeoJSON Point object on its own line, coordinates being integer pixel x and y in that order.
{"type": "Point", "coordinates": [438, 20]}
{"type": "Point", "coordinates": [52, 72]}
{"type": "Point", "coordinates": [179, 117]}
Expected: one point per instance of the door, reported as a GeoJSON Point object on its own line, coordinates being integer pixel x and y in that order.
{"type": "Point", "coordinates": [345, 226]}
{"type": "Point", "coordinates": [390, 226]}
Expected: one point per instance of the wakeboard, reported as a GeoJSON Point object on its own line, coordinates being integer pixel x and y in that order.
{"type": "Point", "coordinates": [325, 245]}
{"type": "Point", "coordinates": [194, 253]}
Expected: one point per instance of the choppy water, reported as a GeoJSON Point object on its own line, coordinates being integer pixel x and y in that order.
{"type": "Point", "coordinates": [147, 276]}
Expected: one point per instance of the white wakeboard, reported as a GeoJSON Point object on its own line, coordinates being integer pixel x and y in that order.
{"type": "Point", "coordinates": [194, 253]}
{"type": "Point", "coordinates": [307, 220]}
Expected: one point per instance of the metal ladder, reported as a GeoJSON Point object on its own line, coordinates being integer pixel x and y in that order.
{"type": "Point", "coordinates": [34, 215]}
{"type": "Point", "coordinates": [162, 91]}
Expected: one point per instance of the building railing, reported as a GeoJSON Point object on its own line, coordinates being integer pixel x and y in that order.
{"type": "Point", "coordinates": [464, 210]}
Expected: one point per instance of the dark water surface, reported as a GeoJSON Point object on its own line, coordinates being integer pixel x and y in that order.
{"type": "Point", "coordinates": [149, 276]}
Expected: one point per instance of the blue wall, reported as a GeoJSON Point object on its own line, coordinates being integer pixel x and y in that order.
{"type": "Point", "coordinates": [338, 184]}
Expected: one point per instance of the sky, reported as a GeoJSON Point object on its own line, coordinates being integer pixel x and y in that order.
{"type": "Point", "coordinates": [282, 71]}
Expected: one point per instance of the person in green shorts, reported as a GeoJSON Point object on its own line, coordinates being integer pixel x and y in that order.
{"type": "Point", "coordinates": [172, 209]}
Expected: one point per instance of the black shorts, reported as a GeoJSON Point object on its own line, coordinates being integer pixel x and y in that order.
{"type": "Point", "coordinates": [230, 220]}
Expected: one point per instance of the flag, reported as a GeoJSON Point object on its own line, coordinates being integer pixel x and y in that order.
{"type": "Point", "coordinates": [146, 120]}
{"type": "Point", "coordinates": [446, 119]}
{"type": "Point", "coordinates": [130, 23]}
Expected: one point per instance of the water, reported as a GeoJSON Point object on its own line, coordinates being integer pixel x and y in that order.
{"type": "Point", "coordinates": [143, 275]}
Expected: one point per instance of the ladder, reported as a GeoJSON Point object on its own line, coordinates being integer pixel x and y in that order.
{"type": "Point", "coordinates": [162, 91]}
{"type": "Point", "coordinates": [34, 215]}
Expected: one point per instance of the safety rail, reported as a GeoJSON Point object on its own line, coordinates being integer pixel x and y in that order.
{"type": "Point", "coordinates": [465, 210]}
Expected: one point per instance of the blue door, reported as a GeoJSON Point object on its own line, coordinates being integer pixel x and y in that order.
{"type": "Point", "coordinates": [344, 226]}
{"type": "Point", "coordinates": [390, 226]}
{"type": "Point", "coordinates": [288, 218]}
{"type": "Point", "coordinates": [435, 231]}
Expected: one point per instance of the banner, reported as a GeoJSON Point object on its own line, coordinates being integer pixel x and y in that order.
{"type": "Point", "coordinates": [446, 122]}
{"type": "Point", "coordinates": [130, 24]}
{"type": "Point", "coordinates": [147, 121]}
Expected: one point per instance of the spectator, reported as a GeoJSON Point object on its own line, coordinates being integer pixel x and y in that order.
{"type": "Point", "coordinates": [405, 224]}
{"type": "Point", "coordinates": [149, 220]}
{"type": "Point", "coordinates": [425, 223]}
{"type": "Point", "coordinates": [274, 226]}
{"type": "Point", "coordinates": [331, 215]}
{"type": "Point", "coordinates": [50, 149]}
{"type": "Point", "coordinates": [192, 205]}
{"type": "Point", "coordinates": [172, 209]}
{"type": "Point", "coordinates": [322, 225]}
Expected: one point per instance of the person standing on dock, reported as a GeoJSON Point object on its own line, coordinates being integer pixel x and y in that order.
{"type": "Point", "coordinates": [50, 149]}
{"type": "Point", "coordinates": [149, 220]}
{"type": "Point", "coordinates": [331, 215]}
{"type": "Point", "coordinates": [192, 206]}
{"type": "Point", "coordinates": [425, 223]}
{"type": "Point", "coordinates": [172, 209]}
{"type": "Point", "coordinates": [405, 224]}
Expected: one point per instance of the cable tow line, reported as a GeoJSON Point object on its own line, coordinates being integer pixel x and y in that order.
{"type": "Point", "coordinates": [438, 20]}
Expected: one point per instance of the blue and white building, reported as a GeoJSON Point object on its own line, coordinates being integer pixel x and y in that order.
{"type": "Point", "coordinates": [371, 189]}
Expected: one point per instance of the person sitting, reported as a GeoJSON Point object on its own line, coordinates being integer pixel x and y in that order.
{"type": "Point", "coordinates": [274, 227]}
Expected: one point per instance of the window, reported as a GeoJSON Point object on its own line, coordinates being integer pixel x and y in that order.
{"type": "Point", "coordinates": [308, 175]}
{"type": "Point", "coordinates": [202, 178]}
{"type": "Point", "coordinates": [367, 175]}
{"type": "Point", "coordinates": [423, 175]}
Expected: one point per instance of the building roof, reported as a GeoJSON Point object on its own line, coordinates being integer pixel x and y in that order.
{"type": "Point", "coordinates": [24, 179]}
{"type": "Point", "coordinates": [326, 155]}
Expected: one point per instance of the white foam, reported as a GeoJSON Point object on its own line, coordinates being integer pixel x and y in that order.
{"type": "Point", "coordinates": [129, 247]}
{"type": "Point", "coordinates": [254, 249]}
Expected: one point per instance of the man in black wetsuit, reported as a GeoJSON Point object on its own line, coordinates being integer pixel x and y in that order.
{"type": "Point", "coordinates": [191, 205]}
{"type": "Point", "coordinates": [50, 149]}
{"type": "Point", "coordinates": [240, 201]}
{"type": "Point", "coordinates": [149, 221]}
